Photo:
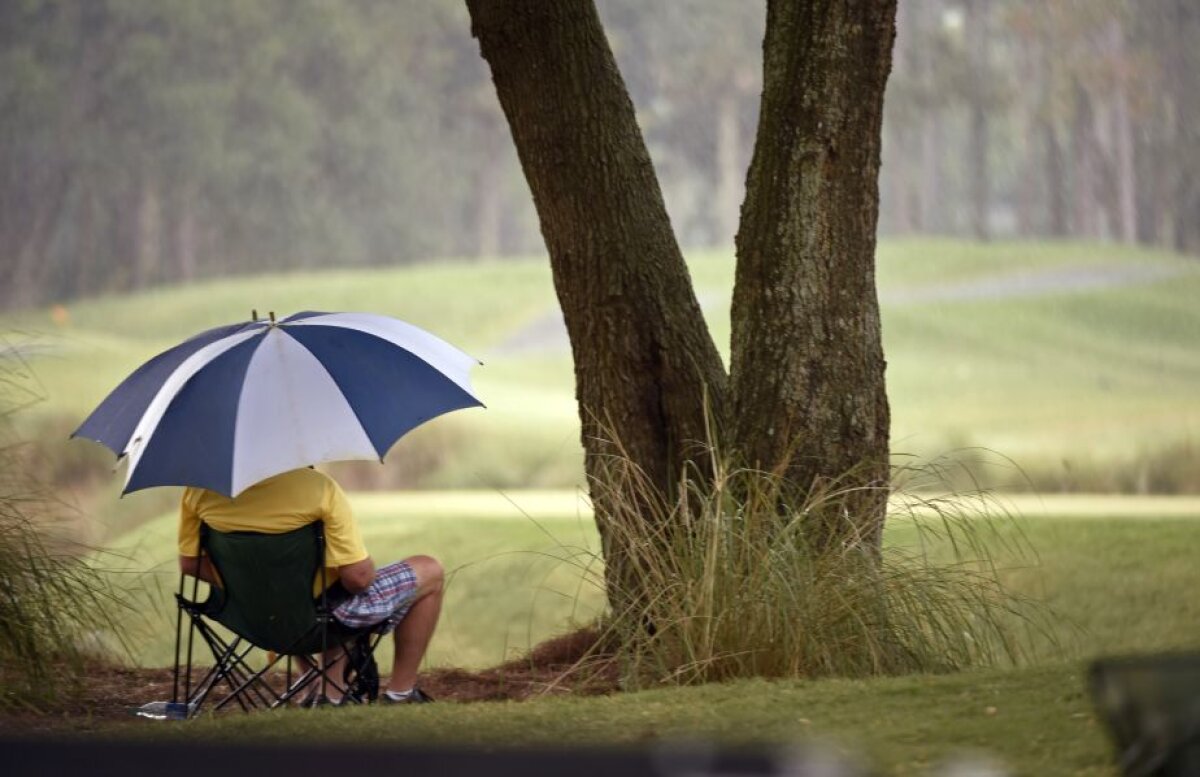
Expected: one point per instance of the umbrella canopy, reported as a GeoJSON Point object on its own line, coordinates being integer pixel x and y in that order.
{"type": "Point", "coordinates": [237, 404]}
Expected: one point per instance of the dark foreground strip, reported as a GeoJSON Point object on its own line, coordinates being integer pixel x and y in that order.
{"type": "Point", "coordinates": [94, 758]}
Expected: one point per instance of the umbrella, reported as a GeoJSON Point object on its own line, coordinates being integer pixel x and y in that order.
{"type": "Point", "coordinates": [237, 404]}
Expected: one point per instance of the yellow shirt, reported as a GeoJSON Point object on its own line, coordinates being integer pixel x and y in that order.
{"type": "Point", "coordinates": [274, 506]}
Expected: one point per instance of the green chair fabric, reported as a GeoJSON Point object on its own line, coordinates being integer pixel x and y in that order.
{"type": "Point", "coordinates": [266, 593]}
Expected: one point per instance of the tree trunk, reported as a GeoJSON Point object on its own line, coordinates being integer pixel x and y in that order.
{"type": "Point", "coordinates": [27, 284]}
{"type": "Point", "coordinates": [147, 234]}
{"type": "Point", "coordinates": [977, 148]}
{"type": "Point", "coordinates": [87, 273]}
{"type": "Point", "coordinates": [1181, 65]}
{"type": "Point", "coordinates": [1056, 191]}
{"type": "Point", "coordinates": [929, 217]}
{"type": "Point", "coordinates": [644, 361]}
{"type": "Point", "coordinates": [899, 173]}
{"type": "Point", "coordinates": [185, 237]}
{"type": "Point", "coordinates": [932, 147]}
{"type": "Point", "coordinates": [807, 374]}
{"type": "Point", "coordinates": [490, 203]}
{"type": "Point", "coordinates": [1084, 181]}
{"type": "Point", "coordinates": [899, 209]}
{"type": "Point", "coordinates": [1031, 70]}
{"type": "Point", "coordinates": [1126, 194]}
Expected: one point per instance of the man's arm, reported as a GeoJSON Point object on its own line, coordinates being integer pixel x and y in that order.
{"type": "Point", "coordinates": [343, 541]}
{"type": "Point", "coordinates": [197, 567]}
{"type": "Point", "coordinates": [357, 577]}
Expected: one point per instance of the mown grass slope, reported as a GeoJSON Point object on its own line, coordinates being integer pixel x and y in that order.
{"type": "Point", "coordinates": [1035, 721]}
{"type": "Point", "coordinates": [1079, 361]}
{"type": "Point", "coordinates": [1117, 572]}
{"type": "Point", "coordinates": [526, 566]}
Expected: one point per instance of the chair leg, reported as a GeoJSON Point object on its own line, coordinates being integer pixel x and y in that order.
{"type": "Point", "coordinates": [246, 687]}
{"type": "Point", "coordinates": [361, 674]}
{"type": "Point", "coordinates": [252, 682]}
{"type": "Point", "coordinates": [226, 666]}
{"type": "Point", "coordinates": [194, 698]}
{"type": "Point", "coordinates": [250, 689]}
{"type": "Point", "coordinates": [178, 640]}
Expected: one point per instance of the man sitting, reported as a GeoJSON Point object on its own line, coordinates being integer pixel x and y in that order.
{"type": "Point", "coordinates": [408, 592]}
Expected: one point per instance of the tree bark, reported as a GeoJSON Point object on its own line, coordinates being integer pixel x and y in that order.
{"type": "Point", "coordinates": [1031, 70]}
{"type": "Point", "coordinates": [27, 281]}
{"type": "Point", "coordinates": [932, 219]}
{"type": "Point", "coordinates": [902, 219]}
{"type": "Point", "coordinates": [900, 207]}
{"type": "Point", "coordinates": [807, 374]}
{"type": "Point", "coordinates": [489, 205]}
{"type": "Point", "coordinates": [1181, 63]}
{"type": "Point", "coordinates": [1056, 191]}
{"type": "Point", "coordinates": [1086, 219]}
{"type": "Point", "coordinates": [645, 364]}
{"type": "Point", "coordinates": [929, 211]}
{"type": "Point", "coordinates": [147, 233]}
{"type": "Point", "coordinates": [977, 150]}
{"type": "Point", "coordinates": [1126, 176]}
{"type": "Point", "coordinates": [185, 236]}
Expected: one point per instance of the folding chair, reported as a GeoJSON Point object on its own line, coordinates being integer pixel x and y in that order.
{"type": "Point", "coordinates": [265, 599]}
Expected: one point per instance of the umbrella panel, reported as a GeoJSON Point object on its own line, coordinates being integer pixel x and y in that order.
{"type": "Point", "coordinates": [112, 423]}
{"type": "Point", "coordinates": [192, 445]}
{"type": "Point", "coordinates": [391, 391]}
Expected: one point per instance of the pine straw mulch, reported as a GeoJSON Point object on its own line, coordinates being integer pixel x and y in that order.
{"type": "Point", "coordinates": [566, 665]}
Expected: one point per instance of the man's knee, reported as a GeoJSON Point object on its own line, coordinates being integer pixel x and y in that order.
{"type": "Point", "coordinates": [429, 572]}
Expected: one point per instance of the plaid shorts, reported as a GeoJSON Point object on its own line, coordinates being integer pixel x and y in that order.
{"type": "Point", "coordinates": [387, 598]}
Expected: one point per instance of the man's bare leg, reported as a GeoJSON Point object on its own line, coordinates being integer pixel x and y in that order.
{"type": "Point", "coordinates": [332, 660]}
{"type": "Point", "coordinates": [412, 634]}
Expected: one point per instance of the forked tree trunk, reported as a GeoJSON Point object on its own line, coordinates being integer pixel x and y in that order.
{"type": "Point", "coordinates": [807, 374]}
{"type": "Point", "coordinates": [808, 363]}
{"type": "Point", "coordinates": [644, 361]}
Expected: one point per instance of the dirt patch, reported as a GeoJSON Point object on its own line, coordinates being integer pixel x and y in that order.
{"type": "Point", "coordinates": [106, 694]}
{"type": "Point", "coordinates": [568, 665]}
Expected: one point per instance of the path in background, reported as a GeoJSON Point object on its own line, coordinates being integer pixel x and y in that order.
{"type": "Point", "coordinates": [548, 333]}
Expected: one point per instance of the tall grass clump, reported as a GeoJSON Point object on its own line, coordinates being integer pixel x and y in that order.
{"type": "Point", "coordinates": [729, 579]}
{"type": "Point", "coordinates": [51, 602]}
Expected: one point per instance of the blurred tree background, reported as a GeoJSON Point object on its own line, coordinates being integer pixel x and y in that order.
{"type": "Point", "coordinates": [147, 143]}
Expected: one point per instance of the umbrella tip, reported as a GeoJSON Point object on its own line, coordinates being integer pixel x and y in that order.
{"type": "Point", "coordinates": [253, 314]}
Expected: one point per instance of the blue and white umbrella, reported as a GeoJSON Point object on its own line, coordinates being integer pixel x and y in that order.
{"type": "Point", "coordinates": [237, 404]}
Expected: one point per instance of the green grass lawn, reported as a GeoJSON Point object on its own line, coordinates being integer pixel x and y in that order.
{"type": "Point", "coordinates": [1063, 381]}
{"type": "Point", "coordinates": [1037, 721]}
{"type": "Point", "coordinates": [1117, 572]}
